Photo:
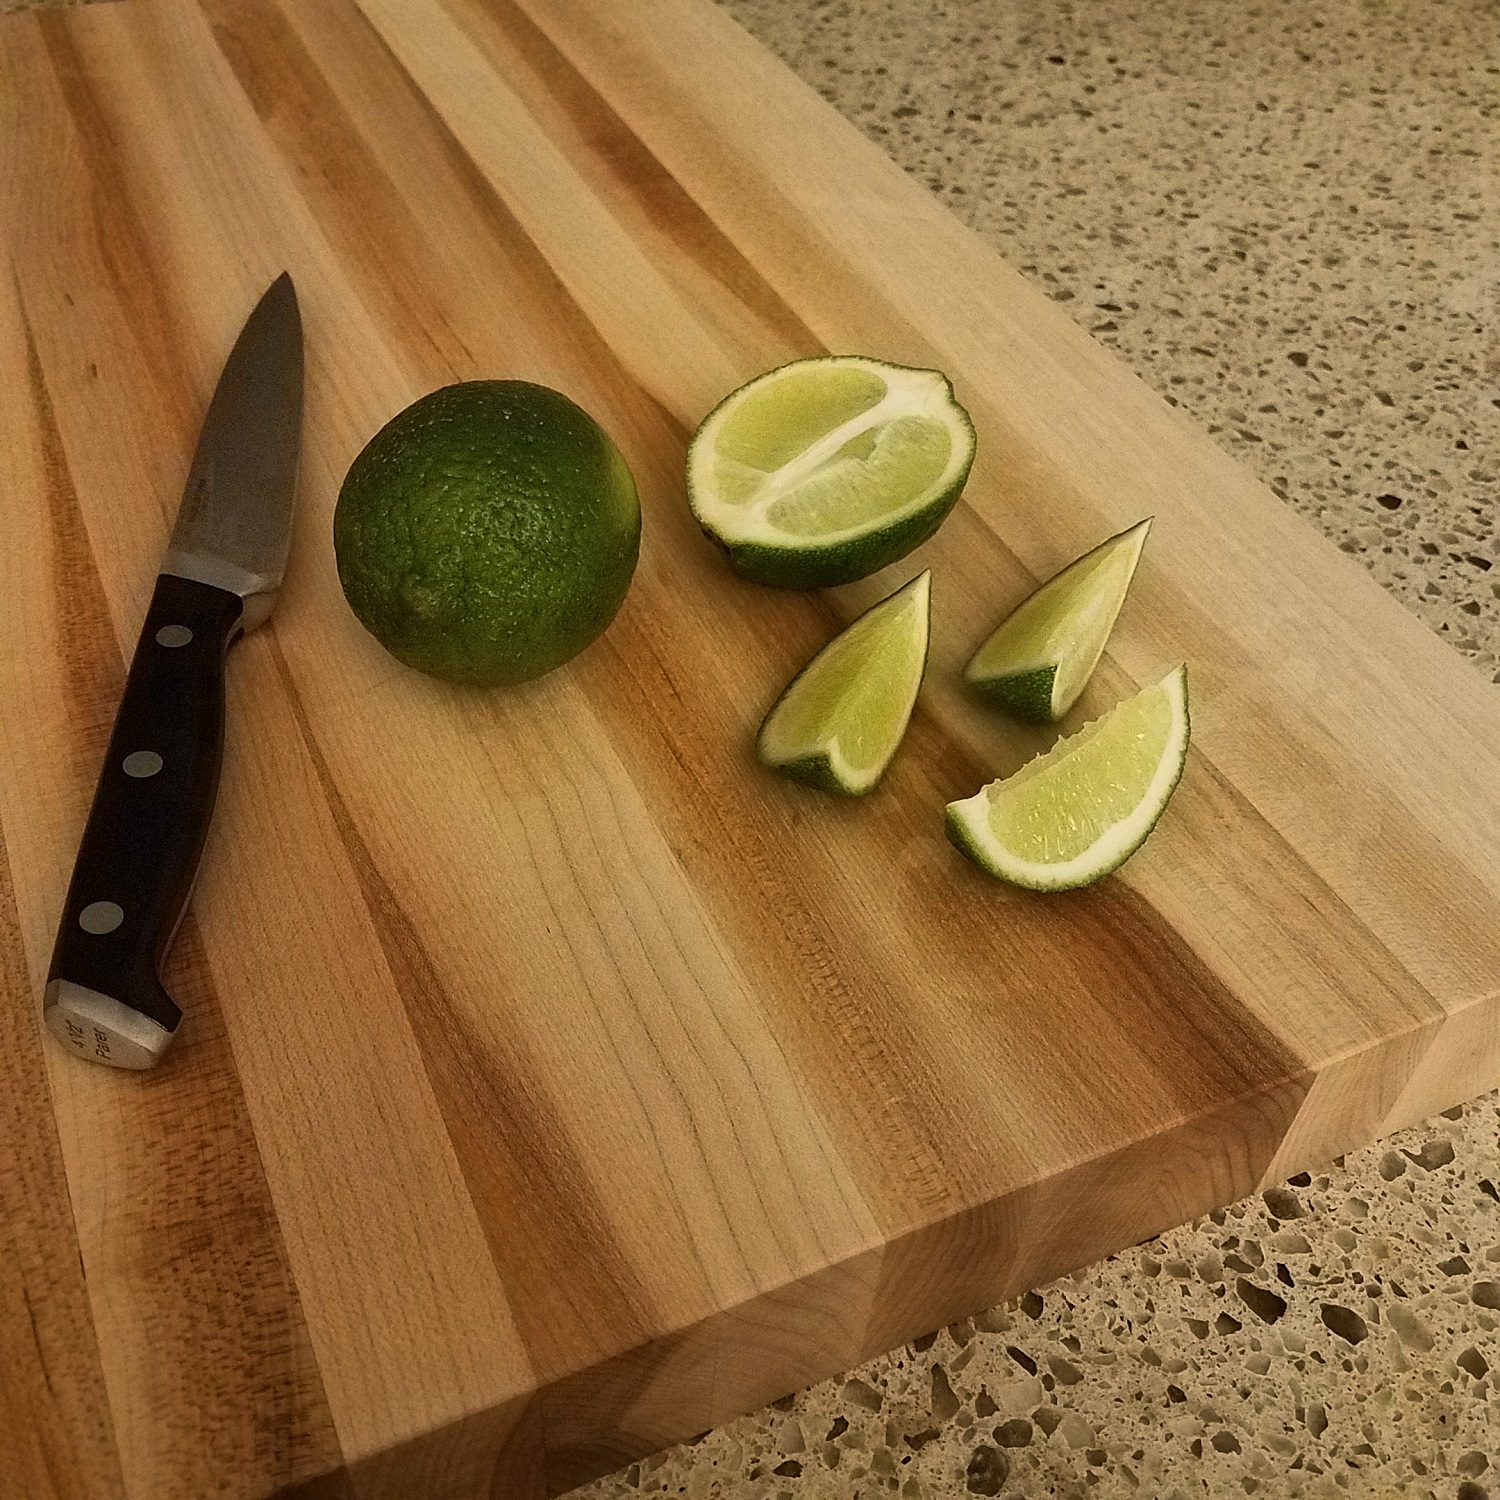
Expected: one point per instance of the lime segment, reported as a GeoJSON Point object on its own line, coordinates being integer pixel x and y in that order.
{"type": "Point", "coordinates": [1042, 655]}
{"type": "Point", "coordinates": [825, 470]}
{"type": "Point", "coordinates": [842, 718]}
{"type": "Point", "coordinates": [810, 400]}
{"type": "Point", "coordinates": [905, 456]}
{"type": "Point", "coordinates": [1083, 808]}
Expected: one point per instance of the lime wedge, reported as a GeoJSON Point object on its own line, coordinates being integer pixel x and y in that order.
{"type": "Point", "coordinates": [825, 470]}
{"type": "Point", "coordinates": [1042, 655]}
{"type": "Point", "coordinates": [1083, 808]}
{"type": "Point", "coordinates": [841, 718]}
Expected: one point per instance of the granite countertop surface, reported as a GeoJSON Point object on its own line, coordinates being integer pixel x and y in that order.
{"type": "Point", "coordinates": [1285, 218]}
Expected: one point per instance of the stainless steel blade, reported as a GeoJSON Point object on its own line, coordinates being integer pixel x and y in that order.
{"type": "Point", "coordinates": [235, 522]}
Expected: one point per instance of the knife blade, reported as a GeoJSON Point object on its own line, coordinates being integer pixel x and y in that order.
{"type": "Point", "coordinates": [152, 807]}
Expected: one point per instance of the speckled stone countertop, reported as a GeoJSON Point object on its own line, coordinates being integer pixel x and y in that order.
{"type": "Point", "coordinates": [1284, 216]}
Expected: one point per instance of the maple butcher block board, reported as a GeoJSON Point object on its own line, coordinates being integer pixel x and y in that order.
{"type": "Point", "coordinates": [556, 1083]}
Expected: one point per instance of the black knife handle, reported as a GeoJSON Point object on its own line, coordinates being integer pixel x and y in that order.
{"type": "Point", "coordinates": [145, 832]}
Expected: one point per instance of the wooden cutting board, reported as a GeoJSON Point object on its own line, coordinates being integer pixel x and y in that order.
{"type": "Point", "coordinates": [555, 1082]}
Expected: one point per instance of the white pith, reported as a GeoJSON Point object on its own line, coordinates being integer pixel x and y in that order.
{"type": "Point", "coordinates": [908, 393]}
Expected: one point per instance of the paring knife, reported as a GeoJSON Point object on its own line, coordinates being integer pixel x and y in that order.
{"type": "Point", "coordinates": [156, 793]}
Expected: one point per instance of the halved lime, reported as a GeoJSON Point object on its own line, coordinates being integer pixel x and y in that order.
{"type": "Point", "coordinates": [841, 718]}
{"type": "Point", "coordinates": [825, 470]}
{"type": "Point", "coordinates": [1083, 808]}
{"type": "Point", "coordinates": [1045, 650]}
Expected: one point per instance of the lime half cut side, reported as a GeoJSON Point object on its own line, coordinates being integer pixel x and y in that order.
{"type": "Point", "coordinates": [826, 470]}
{"type": "Point", "coordinates": [1042, 655]}
{"type": "Point", "coordinates": [842, 717]}
{"type": "Point", "coordinates": [1083, 808]}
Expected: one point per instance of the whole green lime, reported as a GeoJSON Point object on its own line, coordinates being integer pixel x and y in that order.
{"type": "Point", "coordinates": [488, 533]}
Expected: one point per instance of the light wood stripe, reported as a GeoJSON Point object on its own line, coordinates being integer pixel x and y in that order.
{"type": "Point", "coordinates": [589, 250]}
{"type": "Point", "coordinates": [503, 1125]}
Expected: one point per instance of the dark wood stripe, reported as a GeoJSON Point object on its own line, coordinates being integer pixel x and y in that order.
{"type": "Point", "coordinates": [641, 191]}
{"type": "Point", "coordinates": [223, 1378]}
{"type": "Point", "coordinates": [873, 1302]}
{"type": "Point", "coordinates": [688, 1380]}
{"type": "Point", "coordinates": [531, 1191]}
{"type": "Point", "coordinates": [157, 322]}
{"type": "Point", "coordinates": [455, 1460]}
{"type": "Point", "coordinates": [394, 260]}
{"type": "Point", "coordinates": [401, 271]}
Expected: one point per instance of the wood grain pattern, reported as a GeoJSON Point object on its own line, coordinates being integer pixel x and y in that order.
{"type": "Point", "coordinates": [557, 1084]}
{"type": "Point", "coordinates": [59, 1433]}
